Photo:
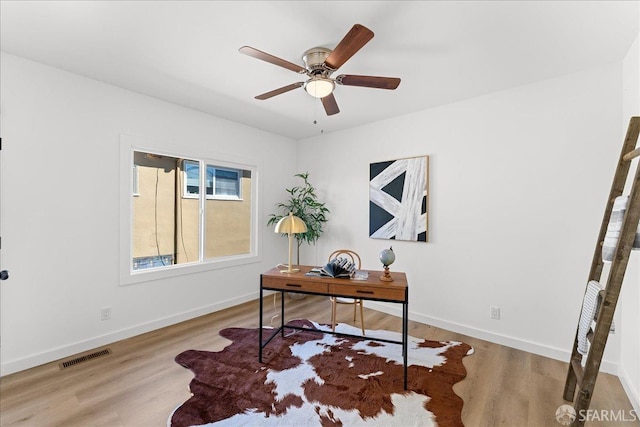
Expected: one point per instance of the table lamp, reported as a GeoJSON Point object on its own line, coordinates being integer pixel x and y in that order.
{"type": "Point", "coordinates": [290, 225]}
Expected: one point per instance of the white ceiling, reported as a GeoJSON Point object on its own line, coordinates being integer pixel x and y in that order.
{"type": "Point", "coordinates": [186, 52]}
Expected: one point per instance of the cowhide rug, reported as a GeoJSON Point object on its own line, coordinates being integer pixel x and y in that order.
{"type": "Point", "coordinates": [315, 379]}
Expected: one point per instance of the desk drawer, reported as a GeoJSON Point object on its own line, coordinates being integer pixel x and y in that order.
{"type": "Point", "coordinates": [294, 286]}
{"type": "Point", "coordinates": [356, 290]}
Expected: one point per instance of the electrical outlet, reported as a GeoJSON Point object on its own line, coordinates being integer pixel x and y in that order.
{"type": "Point", "coordinates": [495, 313]}
{"type": "Point", "coordinates": [105, 313]}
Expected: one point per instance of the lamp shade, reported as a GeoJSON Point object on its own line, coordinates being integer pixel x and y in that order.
{"type": "Point", "coordinates": [291, 224]}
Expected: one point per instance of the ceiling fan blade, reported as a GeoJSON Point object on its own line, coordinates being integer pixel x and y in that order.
{"type": "Point", "coordinates": [368, 81]}
{"type": "Point", "coordinates": [279, 91]}
{"type": "Point", "coordinates": [357, 37]}
{"type": "Point", "coordinates": [248, 50]}
{"type": "Point", "coordinates": [330, 105]}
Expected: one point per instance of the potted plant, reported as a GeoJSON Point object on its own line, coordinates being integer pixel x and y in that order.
{"type": "Point", "coordinates": [303, 202]}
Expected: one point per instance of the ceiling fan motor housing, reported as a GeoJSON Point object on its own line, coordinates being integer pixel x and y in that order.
{"type": "Point", "coordinates": [314, 60]}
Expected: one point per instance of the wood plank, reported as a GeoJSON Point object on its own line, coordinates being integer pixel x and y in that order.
{"type": "Point", "coordinates": [632, 154]}
{"type": "Point", "coordinates": [579, 371]}
{"type": "Point", "coordinates": [364, 291]}
{"type": "Point", "coordinates": [293, 285]}
{"type": "Point", "coordinates": [113, 391]}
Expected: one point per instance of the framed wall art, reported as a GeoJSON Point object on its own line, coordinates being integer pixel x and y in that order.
{"type": "Point", "coordinates": [398, 199]}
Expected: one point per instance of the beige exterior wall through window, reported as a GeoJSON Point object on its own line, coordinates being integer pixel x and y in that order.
{"type": "Point", "coordinates": [166, 222]}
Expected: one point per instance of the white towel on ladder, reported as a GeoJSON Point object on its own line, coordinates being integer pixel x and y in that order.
{"type": "Point", "coordinates": [589, 305]}
{"type": "Point", "coordinates": [614, 227]}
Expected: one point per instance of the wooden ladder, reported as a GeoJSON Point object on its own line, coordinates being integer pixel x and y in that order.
{"type": "Point", "coordinates": [585, 377]}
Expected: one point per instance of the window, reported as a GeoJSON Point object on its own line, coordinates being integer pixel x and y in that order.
{"type": "Point", "coordinates": [173, 225]}
{"type": "Point", "coordinates": [221, 183]}
{"type": "Point", "coordinates": [192, 178]}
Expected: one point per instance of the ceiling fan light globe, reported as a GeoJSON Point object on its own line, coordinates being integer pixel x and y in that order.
{"type": "Point", "coordinates": [319, 87]}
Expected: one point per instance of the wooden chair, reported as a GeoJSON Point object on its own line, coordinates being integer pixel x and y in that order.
{"type": "Point", "coordinates": [354, 258]}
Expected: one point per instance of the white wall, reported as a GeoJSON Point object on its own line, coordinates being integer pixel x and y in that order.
{"type": "Point", "coordinates": [630, 293]}
{"type": "Point", "coordinates": [60, 212]}
{"type": "Point", "coordinates": [518, 185]}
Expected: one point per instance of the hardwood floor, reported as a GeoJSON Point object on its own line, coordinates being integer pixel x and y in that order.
{"type": "Point", "coordinates": [139, 384]}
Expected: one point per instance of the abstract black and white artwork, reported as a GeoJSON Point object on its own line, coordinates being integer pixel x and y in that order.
{"type": "Point", "coordinates": [398, 199]}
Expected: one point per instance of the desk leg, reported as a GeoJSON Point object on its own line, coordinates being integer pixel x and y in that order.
{"type": "Point", "coordinates": [282, 314]}
{"type": "Point", "coordinates": [260, 330]}
{"type": "Point", "coordinates": [405, 333]}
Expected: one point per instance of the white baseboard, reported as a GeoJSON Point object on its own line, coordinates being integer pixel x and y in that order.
{"type": "Point", "coordinates": [632, 394]}
{"type": "Point", "coordinates": [509, 341]}
{"type": "Point", "coordinates": [12, 366]}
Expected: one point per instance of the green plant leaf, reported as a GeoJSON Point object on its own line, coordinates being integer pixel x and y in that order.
{"type": "Point", "coordinates": [303, 202]}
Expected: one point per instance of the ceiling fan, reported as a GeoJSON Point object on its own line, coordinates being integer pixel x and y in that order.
{"type": "Point", "coordinates": [320, 63]}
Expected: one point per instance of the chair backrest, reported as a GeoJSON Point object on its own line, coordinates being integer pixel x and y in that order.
{"type": "Point", "coordinates": [349, 254]}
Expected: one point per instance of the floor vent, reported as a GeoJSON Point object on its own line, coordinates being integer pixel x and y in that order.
{"type": "Point", "coordinates": [85, 358]}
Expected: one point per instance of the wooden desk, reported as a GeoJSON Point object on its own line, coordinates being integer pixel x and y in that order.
{"type": "Point", "coordinates": [371, 289]}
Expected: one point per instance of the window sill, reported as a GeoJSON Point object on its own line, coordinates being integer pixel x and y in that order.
{"type": "Point", "coordinates": [148, 275]}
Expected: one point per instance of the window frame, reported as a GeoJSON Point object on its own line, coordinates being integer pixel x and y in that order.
{"type": "Point", "coordinates": [135, 190]}
{"type": "Point", "coordinates": [215, 196]}
{"type": "Point", "coordinates": [218, 166]}
{"type": "Point", "coordinates": [185, 186]}
{"type": "Point", "coordinates": [130, 144]}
